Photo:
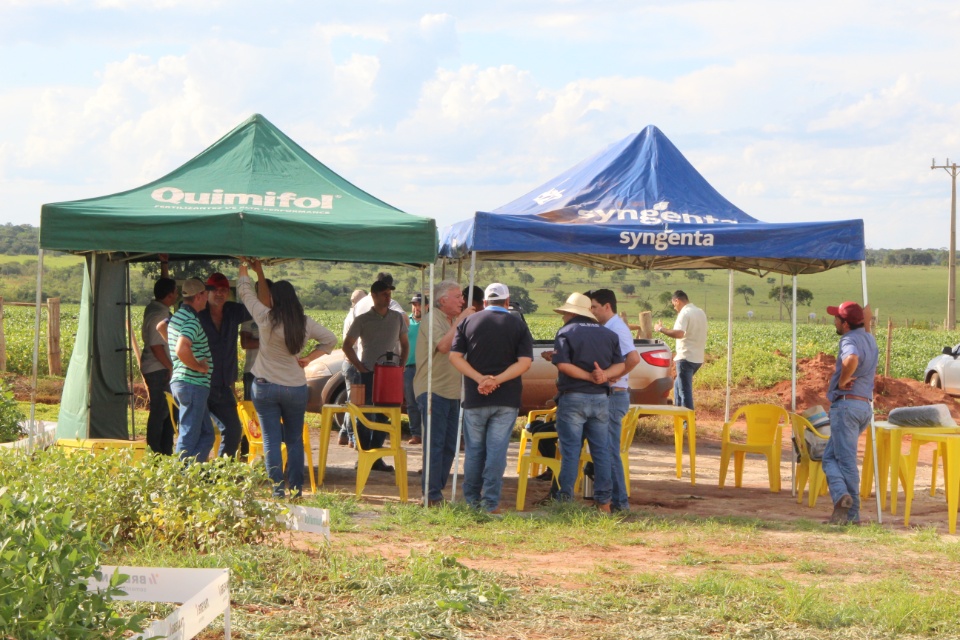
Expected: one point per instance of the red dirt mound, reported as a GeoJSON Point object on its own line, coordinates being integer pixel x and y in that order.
{"type": "Point", "coordinates": [813, 374]}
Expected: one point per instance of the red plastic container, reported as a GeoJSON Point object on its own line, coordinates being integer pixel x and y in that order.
{"type": "Point", "coordinates": [388, 381]}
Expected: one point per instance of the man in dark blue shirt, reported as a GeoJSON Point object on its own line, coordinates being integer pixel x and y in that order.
{"type": "Point", "coordinates": [221, 322]}
{"type": "Point", "coordinates": [587, 355]}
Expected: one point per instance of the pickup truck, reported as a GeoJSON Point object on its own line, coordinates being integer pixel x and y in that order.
{"type": "Point", "coordinates": [650, 381]}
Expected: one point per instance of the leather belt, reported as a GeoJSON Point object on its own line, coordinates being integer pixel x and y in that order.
{"type": "Point", "coordinates": [848, 396]}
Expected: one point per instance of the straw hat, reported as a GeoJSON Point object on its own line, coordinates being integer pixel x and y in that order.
{"type": "Point", "coordinates": [578, 304]}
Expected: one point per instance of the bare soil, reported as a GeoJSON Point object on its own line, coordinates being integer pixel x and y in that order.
{"type": "Point", "coordinates": [657, 491]}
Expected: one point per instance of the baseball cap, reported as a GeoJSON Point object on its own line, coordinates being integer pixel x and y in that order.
{"type": "Point", "coordinates": [381, 285]}
{"type": "Point", "coordinates": [496, 291]}
{"type": "Point", "coordinates": [218, 281]}
{"type": "Point", "coordinates": [849, 311]}
{"type": "Point", "coordinates": [192, 286]}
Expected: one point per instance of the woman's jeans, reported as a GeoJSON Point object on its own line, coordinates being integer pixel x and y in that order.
{"type": "Point", "coordinates": [487, 431]}
{"type": "Point", "coordinates": [281, 410]}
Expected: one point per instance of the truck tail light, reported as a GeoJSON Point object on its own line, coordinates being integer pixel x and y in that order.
{"type": "Point", "coordinates": [656, 358]}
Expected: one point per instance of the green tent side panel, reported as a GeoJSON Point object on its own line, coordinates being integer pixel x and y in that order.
{"type": "Point", "coordinates": [96, 386]}
{"type": "Point", "coordinates": [75, 402]}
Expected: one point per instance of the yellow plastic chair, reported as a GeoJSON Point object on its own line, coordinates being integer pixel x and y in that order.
{"type": "Point", "coordinates": [525, 437]}
{"type": "Point", "coordinates": [175, 420]}
{"type": "Point", "coordinates": [527, 460]}
{"type": "Point", "coordinates": [366, 457]}
{"type": "Point", "coordinates": [628, 429]}
{"type": "Point", "coordinates": [101, 445]}
{"type": "Point", "coordinates": [948, 445]}
{"type": "Point", "coordinates": [174, 409]}
{"type": "Point", "coordinates": [251, 429]}
{"type": "Point", "coordinates": [764, 436]}
{"type": "Point", "coordinates": [808, 469]}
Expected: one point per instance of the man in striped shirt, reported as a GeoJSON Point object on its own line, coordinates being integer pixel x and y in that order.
{"type": "Point", "coordinates": [192, 366]}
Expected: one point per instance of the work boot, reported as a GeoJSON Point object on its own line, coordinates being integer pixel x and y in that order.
{"type": "Point", "coordinates": [415, 440]}
{"type": "Point", "coordinates": [840, 510]}
{"type": "Point", "coordinates": [604, 508]}
{"type": "Point", "coordinates": [344, 439]}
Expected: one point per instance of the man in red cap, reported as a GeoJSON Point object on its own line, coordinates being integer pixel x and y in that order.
{"type": "Point", "coordinates": [850, 393]}
{"type": "Point", "coordinates": [221, 322]}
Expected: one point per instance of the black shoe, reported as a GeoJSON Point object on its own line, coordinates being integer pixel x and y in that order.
{"type": "Point", "coordinates": [546, 476]}
{"type": "Point", "coordinates": [380, 465]}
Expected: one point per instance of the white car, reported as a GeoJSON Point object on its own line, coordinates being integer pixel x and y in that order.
{"type": "Point", "coordinates": [943, 372]}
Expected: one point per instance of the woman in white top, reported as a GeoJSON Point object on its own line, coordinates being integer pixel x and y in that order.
{"type": "Point", "coordinates": [280, 386]}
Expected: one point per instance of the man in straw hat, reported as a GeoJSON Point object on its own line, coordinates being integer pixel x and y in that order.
{"type": "Point", "coordinates": [850, 393]}
{"type": "Point", "coordinates": [587, 356]}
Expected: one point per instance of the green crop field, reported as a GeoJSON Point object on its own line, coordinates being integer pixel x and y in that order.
{"type": "Point", "coordinates": [755, 362]}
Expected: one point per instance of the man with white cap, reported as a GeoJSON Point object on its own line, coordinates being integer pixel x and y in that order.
{"type": "Point", "coordinates": [492, 349]}
{"type": "Point", "coordinates": [587, 356]}
{"type": "Point", "coordinates": [850, 393]}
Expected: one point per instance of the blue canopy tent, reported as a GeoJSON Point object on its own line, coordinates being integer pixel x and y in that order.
{"type": "Point", "coordinates": [640, 204]}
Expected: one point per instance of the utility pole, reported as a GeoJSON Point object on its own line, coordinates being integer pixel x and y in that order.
{"type": "Point", "coordinates": [952, 259]}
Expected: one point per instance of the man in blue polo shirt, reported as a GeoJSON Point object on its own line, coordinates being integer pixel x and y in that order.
{"type": "Point", "coordinates": [587, 356]}
{"type": "Point", "coordinates": [192, 366]}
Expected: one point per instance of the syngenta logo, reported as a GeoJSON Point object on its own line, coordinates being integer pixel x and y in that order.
{"type": "Point", "coordinates": [177, 198]}
{"type": "Point", "coordinates": [659, 214]}
{"type": "Point", "coordinates": [548, 196]}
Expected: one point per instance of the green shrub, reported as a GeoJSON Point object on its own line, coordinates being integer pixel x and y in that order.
{"type": "Point", "coordinates": [199, 506]}
{"type": "Point", "coordinates": [10, 416]}
{"type": "Point", "coordinates": [46, 558]}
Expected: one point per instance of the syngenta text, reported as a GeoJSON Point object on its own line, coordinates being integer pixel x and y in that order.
{"type": "Point", "coordinates": [173, 195]}
{"type": "Point", "coordinates": [662, 240]}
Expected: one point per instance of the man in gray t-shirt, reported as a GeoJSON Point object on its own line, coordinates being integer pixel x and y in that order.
{"type": "Point", "coordinates": [380, 329]}
{"type": "Point", "coordinates": [156, 366]}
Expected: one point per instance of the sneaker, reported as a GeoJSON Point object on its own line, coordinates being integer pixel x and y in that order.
{"type": "Point", "coordinates": [840, 510]}
{"type": "Point", "coordinates": [415, 440]}
{"type": "Point", "coordinates": [344, 439]}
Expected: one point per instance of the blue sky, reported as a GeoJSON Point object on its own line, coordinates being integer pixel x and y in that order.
{"type": "Point", "coordinates": [793, 111]}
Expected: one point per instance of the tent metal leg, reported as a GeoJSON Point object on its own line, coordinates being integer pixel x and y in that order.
{"type": "Point", "coordinates": [32, 425]}
{"type": "Point", "coordinates": [133, 395]}
{"type": "Point", "coordinates": [456, 460]}
{"type": "Point", "coordinates": [873, 426]}
{"type": "Point", "coordinates": [428, 424]}
{"type": "Point", "coordinates": [726, 403]}
{"type": "Point", "coordinates": [793, 388]}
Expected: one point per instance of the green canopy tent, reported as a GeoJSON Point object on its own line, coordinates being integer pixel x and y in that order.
{"type": "Point", "coordinates": [254, 192]}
